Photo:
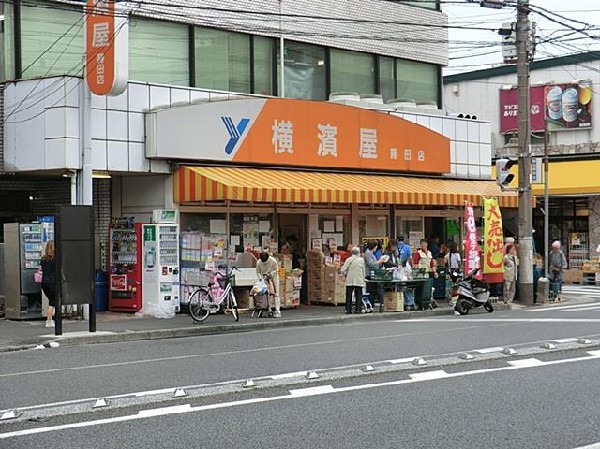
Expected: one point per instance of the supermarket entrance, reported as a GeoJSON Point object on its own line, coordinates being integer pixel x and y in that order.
{"type": "Point", "coordinates": [293, 236]}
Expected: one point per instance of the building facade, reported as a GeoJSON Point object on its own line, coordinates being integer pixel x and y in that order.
{"type": "Point", "coordinates": [563, 93]}
{"type": "Point", "coordinates": [398, 165]}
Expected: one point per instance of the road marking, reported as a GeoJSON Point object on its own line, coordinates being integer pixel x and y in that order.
{"type": "Point", "coordinates": [591, 446]}
{"type": "Point", "coordinates": [328, 389]}
{"type": "Point", "coordinates": [288, 375]}
{"type": "Point", "coordinates": [550, 308]}
{"type": "Point", "coordinates": [488, 350]}
{"type": "Point", "coordinates": [399, 361]}
{"type": "Point", "coordinates": [586, 309]}
{"type": "Point", "coordinates": [504, 320]}
{"type": "Point", "coordinates": [238, 352]}
{"type": "Point", "coordinates": [525, 363]}
{"type": "Point", "coordinates": [429, 375]}
{"type": "Point", "coordinates": [312, 391]}
{"type": "Point", "coordinates": [565, 340]}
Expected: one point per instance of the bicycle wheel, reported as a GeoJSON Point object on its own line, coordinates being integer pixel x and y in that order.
{"type": "Point", "coordinates": [197, 312]}
{"type": "Point", "coordinates": [234, 309]}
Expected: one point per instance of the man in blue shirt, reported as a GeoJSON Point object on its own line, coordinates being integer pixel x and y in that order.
{"type": "Point", "coordinates": [404, 251]}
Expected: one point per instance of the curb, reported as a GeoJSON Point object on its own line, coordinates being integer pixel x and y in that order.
{"type": "Point", "coordinates": [200, 329]}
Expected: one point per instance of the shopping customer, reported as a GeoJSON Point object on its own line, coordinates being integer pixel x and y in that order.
{"type": "Point", "coordinates": [354, 272]}
{"type": "Point", "coordinates": [510, 273]}
{"type": "Point", "coordinates": [48, 280]}
{"type": "Point", "coordinates": [423, 259]}
{"type": "Point", "coordinates": [557, 263]}
{"type": "Point", "coordinates": [267, 267]}
{"type": "Point", "coordinates": [373, 263]}
{"type": "Point", "coordinates": [453, 260]}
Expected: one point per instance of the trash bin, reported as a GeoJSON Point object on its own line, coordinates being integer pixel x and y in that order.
{"type": "Point", "coordinates": [101, 289]}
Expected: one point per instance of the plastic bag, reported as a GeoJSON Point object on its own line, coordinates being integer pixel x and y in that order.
{"type": "Point", "coordinates": [38, 276]}
{"type": "Point", "coordinates": [260, 288]}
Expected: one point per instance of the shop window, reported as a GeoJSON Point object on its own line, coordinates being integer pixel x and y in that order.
{"type": "Point", "coordinates": [204, 223]}
{"type": "Point", "coordinates": [251, 231]}
{"type": "Point", "coordinates": [335, 232]}
{"type": "Point", "coordinates": [304, 71]}
{"type": "Point", "coordinates": [263, 55]}
{"type": "Point", "coordinates": [51, 41]}
{"type": "Point", "coordinates": [158, 52]}
{"type": "Point", "coordinates": [387, 78]}
{"type": "Point", "coordinates": [222, 60]}
{"type": "Point", "coordinates": [417, 80]}
{"type": "Point", "coordinates": [7, 53]}
{"type": "Point", "coordinates": [373, 227]}
{"type": "Point", "coordinates": [352, 72]}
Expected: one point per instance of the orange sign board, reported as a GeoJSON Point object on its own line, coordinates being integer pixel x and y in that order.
{"type": "Point", "coordinates": [297, 133]}
{"type": "Point", "coordinates": [320, 134]}
{"type": "Point", "coordinates": [105, 45]}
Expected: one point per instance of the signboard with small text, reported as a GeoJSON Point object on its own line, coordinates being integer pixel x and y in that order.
{"type": "Point", "coordinates": [493, 242]}
{"type": "Point", "coordinates": [472, 252]}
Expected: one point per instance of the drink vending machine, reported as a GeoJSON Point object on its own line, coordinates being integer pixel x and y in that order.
{"type": "Point", "coordinates": [160, 276]}
{"type": "Point", "coordinates": [25, 245]}
{"type": "Point", "coordinates": [125, 293]}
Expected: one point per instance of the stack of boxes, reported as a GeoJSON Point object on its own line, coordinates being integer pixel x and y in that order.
{"type": "Point", "coordinates": [315, 275]}
{"type": "Point", "coordinates": [333, 287]}
{"type": "Point", "coordinates": [290, 282]}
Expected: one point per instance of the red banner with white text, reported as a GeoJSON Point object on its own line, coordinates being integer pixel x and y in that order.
{"type": "Point", "coordinates": [472, 252]}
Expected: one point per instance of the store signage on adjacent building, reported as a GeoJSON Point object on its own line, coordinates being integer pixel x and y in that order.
{"type": "Point", "coordinates": [472, 252]}
{"type": "Point", "coordinates": [569, 106]}
{"type": "Point", "coordinates": [493, 239]}
{"type": "Point", "coordinates": [287, 132]}
{"type": "Point", "coordinates": [564, 106]}
{"type": "Point", "coordinates": [509, 107]}
{"type": "Point", "coordinates": [106, 47]}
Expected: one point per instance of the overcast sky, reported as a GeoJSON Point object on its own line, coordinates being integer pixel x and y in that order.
{"type": "Point", "coordinates": [472, 50]}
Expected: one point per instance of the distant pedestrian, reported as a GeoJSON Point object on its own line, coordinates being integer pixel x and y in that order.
{"type": "Point", "coordinates": [423, 259]}
{"type": "Point", "coordinates": [434, 247]}
{"type": "Point", "coordinates": [452, 259]}
{"type": "Point", "coordinates": [267, 267]}
{"type": "Point", "coordinates": [557, 263]}
{"type": "Point", "coordinates": [354, 271]}
{"type": "Point", "coordinates": [510, 273]}
{"type": "Point", "coordinates": [49, 280]}
{"type": "Point", "coordinates": [404, 251]}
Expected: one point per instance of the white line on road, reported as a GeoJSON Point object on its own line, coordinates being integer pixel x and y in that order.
{"type": "Point", "coordinates": [525, 363]}
{"type": "Point", "coordinates": [489, 350]}
{"type": "Point", "coordinates": [238, 352]}
{"type": "Point", "coordinates": [591, 446]}
{"type": "Point", "coordinates": [328, 389]}
{"type": "Point", "coordinates": [429, 375]}
{"type": "Point", "coordinates": [312, 391]}
{"type": "Point", "coordinates": [575, 306]}
{"type": "Point", "coordinates": [504, 320]}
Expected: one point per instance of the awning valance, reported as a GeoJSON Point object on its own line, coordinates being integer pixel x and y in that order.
{"type": "Point", "coordinates": [196, 184]}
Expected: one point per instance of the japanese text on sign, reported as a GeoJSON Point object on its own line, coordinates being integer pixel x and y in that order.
{"type": "Point", "coordinates": [472, 253]}
{"type": "Point", "coordinates": [493, 237]}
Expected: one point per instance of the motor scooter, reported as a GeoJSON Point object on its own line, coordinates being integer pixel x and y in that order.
{"type": "Point", "coordinates": [472, 293]}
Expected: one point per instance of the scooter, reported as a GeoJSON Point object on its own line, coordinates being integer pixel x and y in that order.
{"type": "Point", "coordinates": [472, 293]}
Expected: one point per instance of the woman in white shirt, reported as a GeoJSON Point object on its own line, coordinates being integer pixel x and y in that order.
{"type": "Point", "coordinates": [453, 260]}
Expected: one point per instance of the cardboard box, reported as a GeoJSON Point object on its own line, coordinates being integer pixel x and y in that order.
{"type": "Point", "coordinates": [286, 261]}
{"type": "Point", "coordinates": [289, 283]}
{"type": "Point", "coordinates": [393, 302]}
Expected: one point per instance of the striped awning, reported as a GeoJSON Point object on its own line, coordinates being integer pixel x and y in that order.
{"type": "Point", "coordinates": [196, 184]}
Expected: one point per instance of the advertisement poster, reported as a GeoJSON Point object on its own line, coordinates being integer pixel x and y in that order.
{"type": "Point", "coordinates": [509, 107]}
{"type": "Point", "coordinates": [493, 243]}
{"type": "Point", "coordinates": [472, 253]}
{"type": "Point", "coordinates": [568, 106]}
{"type": "Point", "coordinates": [149, 247]}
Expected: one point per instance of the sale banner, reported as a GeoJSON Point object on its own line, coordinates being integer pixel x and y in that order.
{"type": "Point", "coordinates": [472, 252]}
{"type": "Point", "coordinates": [493, 241]}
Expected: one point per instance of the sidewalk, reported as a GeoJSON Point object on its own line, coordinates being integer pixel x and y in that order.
{"type": "Point", "coordinates": [116, 327]}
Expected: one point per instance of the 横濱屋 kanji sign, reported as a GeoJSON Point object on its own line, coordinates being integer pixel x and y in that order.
{"type": "Point", "coordinates": [493, 247]}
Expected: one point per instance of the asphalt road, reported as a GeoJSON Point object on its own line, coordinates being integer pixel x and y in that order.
{"type": "Point", "coordinates": [37, 377]}
{"type": "Point", "coordinates": [484, 405]}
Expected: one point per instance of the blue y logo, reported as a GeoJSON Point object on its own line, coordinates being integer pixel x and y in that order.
{"type": "Point", "coordinates": [235, 132]}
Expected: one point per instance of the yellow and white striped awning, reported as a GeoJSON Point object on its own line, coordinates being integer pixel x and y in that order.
{"type": "Point", "coordinates": [196, 184]}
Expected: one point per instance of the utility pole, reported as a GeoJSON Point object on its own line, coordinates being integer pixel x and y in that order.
{"type": "Point", "coordinates": [525, 219]}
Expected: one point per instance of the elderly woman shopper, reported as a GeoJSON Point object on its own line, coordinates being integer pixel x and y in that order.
{"type": "Point", "coordinates": [354, 271]}
{"type": "Point", "coordinates": [557, 263]}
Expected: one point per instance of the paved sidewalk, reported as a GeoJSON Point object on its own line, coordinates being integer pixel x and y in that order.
{"type": "Point", "coordinates": [114, 327]}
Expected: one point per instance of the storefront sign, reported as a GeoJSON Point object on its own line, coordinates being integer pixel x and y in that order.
{"type": "Point", "coordinates": [472, 253]}
{"type": "Point", "coordinates": [493, 246]}
{"type": "Point", "coordinates": [106, 47]}
{"type": "Point", "coordinates": [287, 132]}
{"type": "Point", "coordinates": [569, 106]}
{"type": "Point", "coordinates": [509, 107]}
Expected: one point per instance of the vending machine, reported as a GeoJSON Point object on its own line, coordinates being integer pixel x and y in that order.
{"type": "Point", "coordinates": [125, 283]}
{"type": "Point", "coordinates": [22, 244]}
{"type": "Point", "coordinates": [160, 272]}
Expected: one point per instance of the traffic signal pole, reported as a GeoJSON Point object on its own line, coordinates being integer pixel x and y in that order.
{"type": "Point", "coordinates": [525, 219]}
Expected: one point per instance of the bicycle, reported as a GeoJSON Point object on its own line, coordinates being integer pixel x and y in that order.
{"type": "Point", "coordinates": [202, 302]}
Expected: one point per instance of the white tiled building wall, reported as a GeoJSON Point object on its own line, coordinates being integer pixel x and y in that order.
{"type": "Point", "coordinates": [46, 135]}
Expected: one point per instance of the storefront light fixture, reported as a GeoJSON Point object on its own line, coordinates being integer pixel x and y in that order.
{"type": "Point", "coordinates": [101, 175]}
{"type": "Point", "coordinates": [320, 62]}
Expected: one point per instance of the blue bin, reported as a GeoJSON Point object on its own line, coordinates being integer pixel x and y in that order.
{"type": "Point", "coordinates": [101, 289]}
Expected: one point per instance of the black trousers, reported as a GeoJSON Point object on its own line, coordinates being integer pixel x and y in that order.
{"type": "Point", "coordinates": [357, 295]}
